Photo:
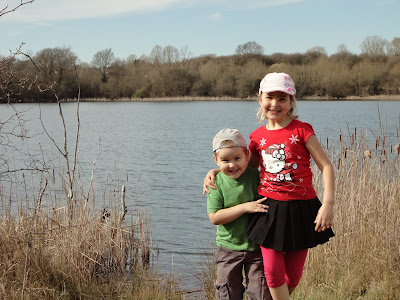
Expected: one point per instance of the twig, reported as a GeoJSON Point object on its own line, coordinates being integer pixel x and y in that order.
{"type": "Point", "coordinates": [93, 167]}
{"type": "Point", "coordinates": [39, 201]}
{"type": "Point", "coordinates": [124, 210]}
{"type": "Point", "coordinates": [78, 125]}
{"type": "Point", "coordinates": [4, 10]}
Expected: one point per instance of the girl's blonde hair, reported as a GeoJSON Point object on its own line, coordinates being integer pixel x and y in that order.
{"type": "Point", "coordinates": [292, 113]}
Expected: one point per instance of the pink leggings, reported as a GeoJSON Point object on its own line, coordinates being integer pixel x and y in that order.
{"type": "Point", "coordinates": [281, 267]}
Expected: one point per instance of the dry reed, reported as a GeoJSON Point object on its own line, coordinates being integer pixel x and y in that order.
{"type": "Point", "coordinates": [96, 255]}
{"type": "Point", "coordinates": [363, 260]}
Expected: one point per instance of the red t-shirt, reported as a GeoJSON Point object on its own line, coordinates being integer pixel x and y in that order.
{"type": "Point", "coordinates": [285, 172]}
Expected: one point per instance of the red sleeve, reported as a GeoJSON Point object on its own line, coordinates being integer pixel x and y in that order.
{"type": "Point", "coordinates": [253, 146]}
{"type": "Point", "coordinates": [307, 131]}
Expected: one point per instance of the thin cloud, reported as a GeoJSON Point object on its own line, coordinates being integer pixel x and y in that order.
{"type": "Point", "coordinates": [42, 11]}
{"type": "Point", "coordinates": [386, 2]}
{"type": "Point", "coordinates": [252, 4]}
{"type": "Point", "coordinates": [215, 16]}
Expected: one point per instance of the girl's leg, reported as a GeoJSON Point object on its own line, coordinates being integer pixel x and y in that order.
{"type": "Point", "coordinates": [294, 265]}
{"type": "Point", "coordinates": [280, 293]}
{"type": "Point", "coordinates": [283, 271]}
{"type": "Point", "coordinates": [274, 268]}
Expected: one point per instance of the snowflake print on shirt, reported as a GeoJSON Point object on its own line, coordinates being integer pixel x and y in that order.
{"type": "Point", "coordinates": [294, 139]}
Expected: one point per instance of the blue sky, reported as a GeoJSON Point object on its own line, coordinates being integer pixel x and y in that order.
{"type": "Point", "coordinates": [203, 26]}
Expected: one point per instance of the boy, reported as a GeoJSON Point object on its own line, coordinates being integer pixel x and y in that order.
{"type": "Point", "coordinates": [227, 207]}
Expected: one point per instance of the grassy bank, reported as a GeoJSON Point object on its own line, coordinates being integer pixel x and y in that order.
{"type": "Point", "coordinates": [49, 253]}
{"type": "Point", "coordinates": [363, 260]}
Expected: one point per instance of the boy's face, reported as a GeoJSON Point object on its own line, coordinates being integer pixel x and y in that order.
{"type": "Point", "coordinates": [232, 161]}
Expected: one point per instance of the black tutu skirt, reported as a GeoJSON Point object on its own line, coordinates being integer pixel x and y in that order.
{"type": "Point", "coordinates": [288, 225]}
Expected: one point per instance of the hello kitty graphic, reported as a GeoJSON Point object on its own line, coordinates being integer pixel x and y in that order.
{"type": "Point", "coordinates": [276, 167]}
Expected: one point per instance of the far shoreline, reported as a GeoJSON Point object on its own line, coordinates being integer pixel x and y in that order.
{"type": "Point", "coordinates": [226, 98]}
{"type": "Point", "coordinates": [223, 98]}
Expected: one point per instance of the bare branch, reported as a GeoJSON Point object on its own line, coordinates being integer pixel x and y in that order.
{"type": "Point", "coordinates": [64, 152]}
{"type": "Point", "coordinates": [78, 126]}
{"type": "Point", "coordinates": [6, 10]}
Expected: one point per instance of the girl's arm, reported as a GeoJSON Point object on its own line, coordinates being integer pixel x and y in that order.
{"type": "Point", "coordinates": [254, 160]}
{"type": "Point", "coordinates": [209, 181]}
{"type": "Point", "coordinates": [324, 219]}
{"type": "Point", "coordinates": [230, 214]}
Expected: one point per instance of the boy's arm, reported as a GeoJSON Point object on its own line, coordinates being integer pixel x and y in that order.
{"type": "Point", "coordinates": [324, 218]}
{"type": "Point", "coordinates": [230, 214]}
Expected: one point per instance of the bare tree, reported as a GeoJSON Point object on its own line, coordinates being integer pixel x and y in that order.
{"type": "Point", "coordinates": [185, 55]}
{"type": "Point", "coordinates": [394, 47]}
{"type": "Point", "coordinates": [103, 60]}
{"type": "Point", "coordinates": [156, 57]}
{"type": "Point", "coordinates": [342, 50]}
{"type": "Point", "coordinates": [374, 46]}
{"type": "Point", "coordinates": [317, 51]}
{"type": "Point", "coordinates": [249, 48]}
{"type": "Point", "coordinates": [55, 62]}
{"type": "Point", "coordinates": [131, 59]}
{"type": "Point", "coordinates": [170, 56]}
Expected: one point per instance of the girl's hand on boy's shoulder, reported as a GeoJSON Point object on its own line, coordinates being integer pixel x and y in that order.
{"type": "Point", "coordinates": [324, 219]}
{"type": "Point", "coordinates": [209, 181]}
{"type": "Point", "coordinates": [256, 206]}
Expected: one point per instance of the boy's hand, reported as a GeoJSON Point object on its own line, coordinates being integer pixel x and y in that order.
{"type": "Point", "coordinates": [324, 219]}
{"type": "Point", "coordinates": [256, 206]}
{"type": "Point", "coordinates": [209, 181]}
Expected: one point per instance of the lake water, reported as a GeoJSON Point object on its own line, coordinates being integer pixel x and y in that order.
{"type": "Point", "coordinates": [161, 152]}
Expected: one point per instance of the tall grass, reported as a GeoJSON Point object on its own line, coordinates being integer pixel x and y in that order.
{"type": "Point", "coordinates": [363, 260]}
{"type": "Point", "coordinates": [44, 254]}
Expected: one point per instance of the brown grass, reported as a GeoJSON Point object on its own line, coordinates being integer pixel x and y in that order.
{"type": "Point", "coordinates": [363, 260]}
{"type": "Point", "coordinates": [46, 255]}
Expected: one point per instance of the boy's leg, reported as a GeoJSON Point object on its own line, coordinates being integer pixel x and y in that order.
{"type": "Point", "coordinates": [256, 284]}
{"type": "Point", "coordinates": [229, 283]}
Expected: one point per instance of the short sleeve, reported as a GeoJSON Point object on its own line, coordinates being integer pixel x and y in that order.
{"type": "Point", "coordinates": [215, 201]}
{"type": "Point", "coordinates": [253, 146]}
{"type": "Point", "coordinates": [308, 130]}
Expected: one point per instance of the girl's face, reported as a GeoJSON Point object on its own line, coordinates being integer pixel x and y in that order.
{"type": "Point", "coordinates": [275, 105]}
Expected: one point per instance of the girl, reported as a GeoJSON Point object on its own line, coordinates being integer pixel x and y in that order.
{"type": "Point", "coordinates": [296, 220]}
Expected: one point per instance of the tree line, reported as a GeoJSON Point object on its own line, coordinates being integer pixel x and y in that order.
{"type": "Point", "coordinates": [171, 72]}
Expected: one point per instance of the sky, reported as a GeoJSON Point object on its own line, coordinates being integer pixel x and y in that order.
{"type": "Point", "coordinates": [135, 27]}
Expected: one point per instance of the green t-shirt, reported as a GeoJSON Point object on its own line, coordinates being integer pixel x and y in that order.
{"type": "Point", "coordinates": [231, 192]}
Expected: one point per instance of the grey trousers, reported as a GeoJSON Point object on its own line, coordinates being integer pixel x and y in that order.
{"type": "Point", "coordinates": [231, 266]}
